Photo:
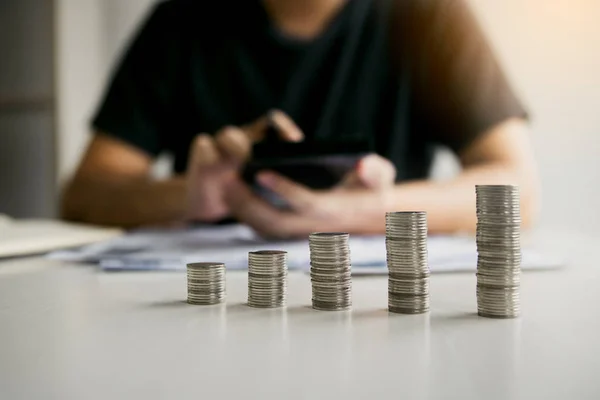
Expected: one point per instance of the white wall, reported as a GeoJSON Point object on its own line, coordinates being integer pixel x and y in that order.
{"type": "Point", "coordinates": [90, 35]}
{"type": "Point", "coordinates": [549, 47]}
{"type": "Point", "coordinates": [79, 71]}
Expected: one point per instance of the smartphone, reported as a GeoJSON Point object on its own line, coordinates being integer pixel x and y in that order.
{"type": "Point", "coordinates": [316, 164]}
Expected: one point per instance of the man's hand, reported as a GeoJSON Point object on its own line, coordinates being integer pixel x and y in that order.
{"type": "Point", "coordinates": [359, 197]}
{"type": "Point", "coordinates": [372, 172]}
{"type": "Point", "coordinates": [215, 162]}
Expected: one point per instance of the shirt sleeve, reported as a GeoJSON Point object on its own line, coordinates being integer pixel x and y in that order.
{"type": "Point", "coordinates": [135, 107]}
{"type": "Point", "coordinates": [458, 88]}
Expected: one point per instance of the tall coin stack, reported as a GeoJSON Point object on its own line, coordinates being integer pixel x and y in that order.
{"type": "Point", "coordinates": [499, 251]}
{"type": "Point", "coordinates": [406, 246]}
{"type": "Point", "coordinates": [267, 278]}
{"type": "Point", "coordinates": [330, 271]}
{"type": "Point", "coordinates": [206, 283]}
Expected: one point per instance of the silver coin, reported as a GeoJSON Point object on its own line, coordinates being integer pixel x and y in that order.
{"type": "Point", "coordinates": [331, 283]}
{"type": "Point", "coordinates": [406, 253]}
{"type": "Point", "coordinates": [329, 268]}
{"type": "Point", "coordinates": [270, 287]}
{"type": "Point", "coordinates": [506, 312]}
{"type": "Point", "coordinates": [395, 277]}
{"type": "Point", "coordinates": [267, 278]}
{"type": "Point", "coordinates": [500, 261]}
{"type": "Point", "coordinates": [206, 276]}
{"type": "Point", "coordinates": [323, 295]}
{"type": "Point", "coordinates": [333, 279]}
{"type": "Point", "coordinates": [206, 283]}
{"type": "Point", "coordinates": [408, 304]}
{"type": "Point", "coordinates": [330, 262]}
{"type": "Point", "coordinates": [203, 266]}
{"type": "Point", "coordinates": [499, 236]}
{"type": "Point", "coordinates": [341, 300]}
{"type": "Point", "coordinates": [499, 274]}
{"type": "Point", "coordinates": [330, 271]}
{"type": "Point", "coordinates": [324, 306]}
{"type": "Point", "coordinates": [204, 303]}
{"type": "Point", "coordinates": [418, 263]}
{"type": "Point", "coordinates": [205, 291]}
{"type": "Point", "coordinates": [408, 289]}
{"type": "Point", "coordinates": [499, 251]}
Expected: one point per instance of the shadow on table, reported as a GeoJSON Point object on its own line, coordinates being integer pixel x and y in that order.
{"type": "Point", "coordinates": [168, 304]}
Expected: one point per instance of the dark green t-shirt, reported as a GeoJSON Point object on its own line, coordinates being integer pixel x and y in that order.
{"type": "Point", "coordinates": [406, 75]}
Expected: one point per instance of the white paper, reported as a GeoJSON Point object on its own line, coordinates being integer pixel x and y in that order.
{"type": "Point", "coordinates": [33, 236]}
{"type": "Point", "coordinates": [173, 249]}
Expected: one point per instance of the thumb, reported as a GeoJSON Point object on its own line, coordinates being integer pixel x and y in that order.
{"type": "Point", "coordinates": [285, 126]}
{"type": "Point", "coordinates": [372, 172]}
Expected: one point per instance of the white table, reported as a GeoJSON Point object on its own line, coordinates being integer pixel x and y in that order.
{"type": "Point", "coordinates": [69, 332]}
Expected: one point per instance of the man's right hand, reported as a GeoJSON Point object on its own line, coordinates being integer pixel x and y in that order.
{"type": "Point", "coordinates": [215, 162]}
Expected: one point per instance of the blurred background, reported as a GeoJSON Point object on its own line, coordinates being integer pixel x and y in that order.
{"type": "Point", "coordinates": [57, 56]}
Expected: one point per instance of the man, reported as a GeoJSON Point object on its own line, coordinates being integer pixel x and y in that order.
{"type": "Point", "coordinates": [407, 75]}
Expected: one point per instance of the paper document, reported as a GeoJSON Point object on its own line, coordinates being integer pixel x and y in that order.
{"type": "Point", "coordinates": [32, 236]}
{"type": "Point", "coordinates": [173, 249]}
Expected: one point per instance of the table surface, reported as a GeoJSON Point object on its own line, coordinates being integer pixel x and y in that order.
{"type": "Point", "coordinates": [71, 332]}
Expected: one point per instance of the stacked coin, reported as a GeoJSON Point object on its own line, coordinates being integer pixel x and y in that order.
{"type": "Point", "coordinates": [206, 283]}
{"type": "Point", "coordinates": [499, 251]}
{"type": "Point", "coordinates": [406, 246]}
{"type": "Point", "coordinates": [267, 278]}
{"type": "Point", "coordinates": [330, 271]}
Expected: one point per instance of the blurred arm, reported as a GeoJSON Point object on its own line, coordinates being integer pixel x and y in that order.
{"type": "Point", "coordinates": [112, 186]}
{"type": "Point", "coordinates": [463, 100]}
{"type": "Point", "coordinates": [502, 155]}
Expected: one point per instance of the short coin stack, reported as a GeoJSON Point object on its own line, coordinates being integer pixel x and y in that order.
{"type": "Point", "coordinates": [267, 278]}
{"type": "Point", "coordinates": [499, 251]}
{"type": "Point", "coordinates": [330, 271]}
{"type": "Point", "coordinates": [406, 245]}
{"type": "Point", "coordinates": [206, 283]}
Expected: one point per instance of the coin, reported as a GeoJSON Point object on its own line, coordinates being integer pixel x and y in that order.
{"type": "Point", "coordinates": [205, 283]}
{"type": "Point", "coordinates": [267, 278]}
{"type": "Point", "coordinates": [498, 251]}
{"type": "Point", "coordinates": [406, 252]}
{"type": "Point", "coordinates": [330, 271]}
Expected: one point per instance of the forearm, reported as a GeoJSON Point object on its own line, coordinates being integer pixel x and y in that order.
{"type": "Point", "coordinates": [450, 205]}
{"type": "Point", "coordinates": [129, 203]}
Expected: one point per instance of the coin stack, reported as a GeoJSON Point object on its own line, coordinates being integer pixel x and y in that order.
{"type": "Point", "coordinates": [206, 283]}
{"type": "Point", "coordinates": [406, 246]}
{"type": "Point", "coordinates": [267, 278]}
{"type": "Point", "coordinates": [498, 251]}
{"type": "Point", "coordinates": [330, 271]}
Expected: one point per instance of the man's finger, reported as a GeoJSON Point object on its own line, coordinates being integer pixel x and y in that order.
{"type": "Point", "coordinates": [299, 197]}
{"type": "Point", "coordinates": [255, 130]}
{"type": "Point", "coordinates": [234, 143]}
{"type": "Point", "coordinates": [204, 151]}
{"type": "Point", "coordinates": [284, 126]}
